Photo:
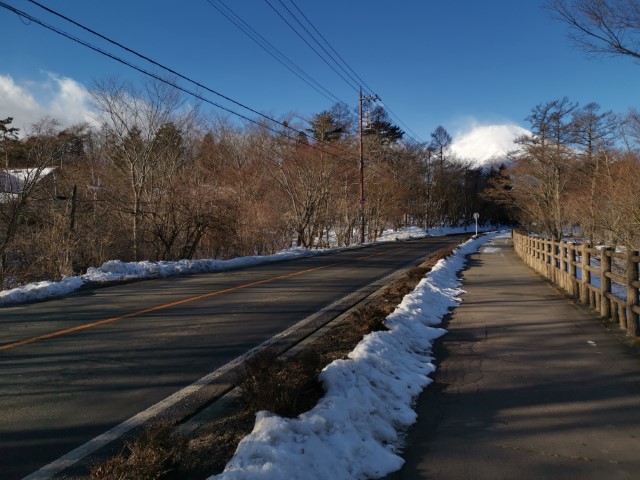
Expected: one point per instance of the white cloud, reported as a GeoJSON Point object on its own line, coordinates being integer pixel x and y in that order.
{"type": "Point", "coordinates": [69, 104]}
{"type": "Point", "coordinates": [485, 144]}
{"type": "Point", "coordinates": [18, 103]}
{"type": "Point", "coordinates": [28, 102]}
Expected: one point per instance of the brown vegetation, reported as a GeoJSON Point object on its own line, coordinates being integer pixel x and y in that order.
{"type": "Point", "coordinates": [578, 172]}
{"type": "Point", "coordinates": [154, 180]}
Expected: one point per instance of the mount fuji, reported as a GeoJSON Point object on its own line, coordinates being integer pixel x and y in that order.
{"type": "Point", "coordinates": [487, 145]}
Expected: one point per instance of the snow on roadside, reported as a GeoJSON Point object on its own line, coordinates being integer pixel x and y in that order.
{"type": "Point", "coordinates": [116, 270]}
{"type": "Point", "coordinates": [352, 433]}
{"type": "Point", "coordinates": [40, 290]}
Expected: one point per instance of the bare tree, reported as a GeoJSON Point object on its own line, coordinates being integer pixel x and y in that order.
{"type": "Point", "coordinates": [631, 129]}
{"type": "Point", "coordinates": [440, 149]}
{"type": "Point", "coordinates": [305, 176]}
{"type": "Point", "coordinates": [22, 188]}
{"type": "Point", "coordinates": [610, 27]}
{"type": "Point", "coordinates": [441, 143]}
{"type": "Point", "coordinates": [621, 205]}
{"type": "Point", "coordinates": [593, 133]}
{"type": "Point", "coordinates": [543, 165]}
{"type": "Point", "coordinates": [137, 121]}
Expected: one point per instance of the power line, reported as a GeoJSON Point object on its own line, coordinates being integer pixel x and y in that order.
{"type": "Point", "coordinates": [268, 47]}
{"type": "Point", "coordinates": [173, 72]}
{"type": "Point", "coordinates": [294, 16]}
{"type": "Point", "coordinates": [114, 57]}
{"type": "Point", "coordinates": [414, 136]}
{"type": "Point", "coordinates": [157, 77]}
{"type": "Point", "coordinates": [369, 89]}
{"type": "Point", "coordinates": [252, 33]}
{"type": "Point", "coordinates": [139, 55]}
{"type": "Point", "coordinates": [262, 41]}
{"type": "Point", "coordinates": [352, 85]}
{"type": "Point", "coordinates": [163, 80]}
{"type": "Point", "coordinates": [353, 75]}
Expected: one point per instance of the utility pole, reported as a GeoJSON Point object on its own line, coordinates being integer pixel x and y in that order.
{"type": "Point", "coordinates": [362, 201]}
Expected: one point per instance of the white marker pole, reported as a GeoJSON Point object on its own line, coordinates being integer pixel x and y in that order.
{"type": "Point", "coordinates": [476, 215]}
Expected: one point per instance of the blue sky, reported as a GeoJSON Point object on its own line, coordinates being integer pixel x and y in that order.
{"type": "Point", "coordinates": [454, 63]}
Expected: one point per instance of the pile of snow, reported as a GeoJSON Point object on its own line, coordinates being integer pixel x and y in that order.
{"type": "Point", "coordinates": [117, 270]}
{"type": "Point", "coordinates": [41, 290]}
{"type": "Point", "coordinates": [410, 233]}
{"type": "Point", "coordinates": [487, 144]}
{"type": "Point", "coordinates": [352, 433]}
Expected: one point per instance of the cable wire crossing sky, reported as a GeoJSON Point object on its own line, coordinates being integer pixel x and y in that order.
{"type": "Point", "coordinates": [477, 68]}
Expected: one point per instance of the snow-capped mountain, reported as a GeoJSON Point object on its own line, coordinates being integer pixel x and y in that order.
{"type": "Point", "coordinates": [487, 144]}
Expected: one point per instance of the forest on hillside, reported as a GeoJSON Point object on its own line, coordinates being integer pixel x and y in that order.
{"type": "Point", "coordinates": [154, 178]}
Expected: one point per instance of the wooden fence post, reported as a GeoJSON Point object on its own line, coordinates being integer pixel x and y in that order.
{"type": "Point", "coordinates": [562, 265]}
{"type": "Point", "coordinates": [572, 257]}
{"type": "Point", "coordinates": [584, 264]}
{"type": "Point", "coordinates": [605, 281]}
{"type": "Point", "coordinates": [632, 293]}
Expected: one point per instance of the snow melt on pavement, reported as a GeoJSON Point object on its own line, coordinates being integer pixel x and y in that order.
{"type": "Point", "coordinates": [117, 270]}
{"type": "Point", "coordinates": [352, 433]}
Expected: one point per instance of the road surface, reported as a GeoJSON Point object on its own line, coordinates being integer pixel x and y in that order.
{"type": "Point", "coordinates": [74, 367]}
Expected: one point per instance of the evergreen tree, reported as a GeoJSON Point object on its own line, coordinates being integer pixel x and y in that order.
{"type": "Point", "coordinates": [331, 125]}
{"type": "Point", "coordinates": [8, 135]}
{"type": "Point", "coordinates": [381, 128]}
{"type": "Point", "coordinates": [325, 127]}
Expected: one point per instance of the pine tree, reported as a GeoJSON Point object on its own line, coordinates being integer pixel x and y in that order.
{"type": "Point", "coordinates": [8, 135]}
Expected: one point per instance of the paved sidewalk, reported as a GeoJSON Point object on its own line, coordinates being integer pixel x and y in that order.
{"type": "Point", "coordinates": [528, 386]}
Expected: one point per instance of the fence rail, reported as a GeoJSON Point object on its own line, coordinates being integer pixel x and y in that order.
{"type": "Point", "coordinates": [602, 278]}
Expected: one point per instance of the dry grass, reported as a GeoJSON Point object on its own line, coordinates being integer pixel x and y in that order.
{"type": "Point", "coordinates": [210, 451]}
{"type": "Point", "coordinates": [156, 454]}
{"type": "Point", "coordinates": [370, 318]}
{"type": "Point", "coordinates": [286, 386]}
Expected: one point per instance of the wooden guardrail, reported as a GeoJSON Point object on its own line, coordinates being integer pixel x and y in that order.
{"type": "Point", "coordinates": [602, 278]}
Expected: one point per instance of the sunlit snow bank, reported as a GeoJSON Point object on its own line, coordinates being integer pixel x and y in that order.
{"type": "Point", "coordinates": [353, 431]}
{"type": "Point", "coordinates": [116, 270]}
{"type": "Point", "coordinates": [409, 233]}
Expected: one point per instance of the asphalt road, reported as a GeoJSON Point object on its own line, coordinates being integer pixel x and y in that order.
{"type": "Point", "coordinates": [143, 341]}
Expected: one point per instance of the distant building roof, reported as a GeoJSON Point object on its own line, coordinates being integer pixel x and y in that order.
{"type": "Point", "coordinates": [12, 181]}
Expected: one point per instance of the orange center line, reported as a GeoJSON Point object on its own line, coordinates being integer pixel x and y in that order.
{"type": "Point", "coordinates": [85, 326]}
